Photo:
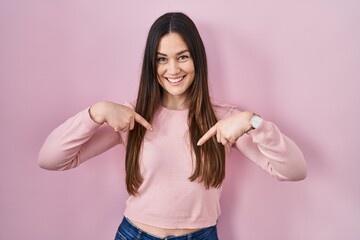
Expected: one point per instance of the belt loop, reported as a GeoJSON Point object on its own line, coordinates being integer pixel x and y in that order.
{"type": "Point", "coordinates": [189, 237]}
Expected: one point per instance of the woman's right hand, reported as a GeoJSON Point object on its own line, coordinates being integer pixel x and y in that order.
{"type": "Point", "coordinates": [117, 116]}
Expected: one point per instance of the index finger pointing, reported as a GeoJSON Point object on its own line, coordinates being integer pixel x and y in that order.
{"type": "Point", "coordinates": [142, 121]}
{"type": "Point", "coordinates": [211, 132]}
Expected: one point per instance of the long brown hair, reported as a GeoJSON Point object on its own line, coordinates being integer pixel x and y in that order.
{"type": "Point", "coordinates": [210, 157]}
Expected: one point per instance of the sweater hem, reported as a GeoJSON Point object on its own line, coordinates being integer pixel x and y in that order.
{"type": "Point", "coordinates": [170, 223]}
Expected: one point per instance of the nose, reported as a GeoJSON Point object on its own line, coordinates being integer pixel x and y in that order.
{"type": "Point", "coordinates": [173, 67]}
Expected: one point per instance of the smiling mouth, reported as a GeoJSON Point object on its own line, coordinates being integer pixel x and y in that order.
{"type": "Point", "coordinates": [175, 80]}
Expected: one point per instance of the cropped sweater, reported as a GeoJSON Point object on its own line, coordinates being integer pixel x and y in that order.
{"type": "Point", "coordinates": [167, 198]}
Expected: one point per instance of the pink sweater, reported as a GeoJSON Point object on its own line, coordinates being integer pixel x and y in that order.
{"type": "Point", "coordinates": [167, 199]}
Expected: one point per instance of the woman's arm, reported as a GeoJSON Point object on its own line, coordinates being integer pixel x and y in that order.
{"type": "Point", "coordinates": [265, 145]}
{"type": "Point", "coordinates": [75, 141]}
{"type": "Point", "coordinates": [82, 136]}
{"type": "Point", "coordinates": [274, 152]}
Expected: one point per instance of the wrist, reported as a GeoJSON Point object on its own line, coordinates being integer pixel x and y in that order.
{"type": "Point", "coordinates": [97, 112]}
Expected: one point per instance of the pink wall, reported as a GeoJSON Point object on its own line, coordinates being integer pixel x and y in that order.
{"type": "Point", "coordinates": [294, 62]}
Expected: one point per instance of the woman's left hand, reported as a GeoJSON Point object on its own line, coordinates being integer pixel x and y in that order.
{"type": "Point", "coordinates": [229, 129]}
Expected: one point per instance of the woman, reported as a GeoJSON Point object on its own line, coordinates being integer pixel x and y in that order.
{"type": "Point", "coordinates": [176, 139]}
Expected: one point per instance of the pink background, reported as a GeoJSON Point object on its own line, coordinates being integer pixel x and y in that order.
{"type": "Point", "coordinates": [294, 62]}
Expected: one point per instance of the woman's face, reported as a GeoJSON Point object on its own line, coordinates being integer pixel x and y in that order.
{"type": "Point", "coordinates": [175, 68]}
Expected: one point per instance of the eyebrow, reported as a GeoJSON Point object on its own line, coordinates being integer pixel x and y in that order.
{"type": "Point", "coordinates": [179, 53]}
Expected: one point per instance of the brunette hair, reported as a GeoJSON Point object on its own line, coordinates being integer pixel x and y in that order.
{"type": "Point", "coordinates": [210, 157]}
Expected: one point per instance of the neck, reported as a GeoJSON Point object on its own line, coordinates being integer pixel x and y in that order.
{"type": "Point", "coordinates": [174, 102]}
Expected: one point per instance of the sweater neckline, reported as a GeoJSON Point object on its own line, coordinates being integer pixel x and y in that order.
{"type": "Point", "coordinates": [174, 110]}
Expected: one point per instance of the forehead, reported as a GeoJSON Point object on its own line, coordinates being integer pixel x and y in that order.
{"type": "Point", "coordinates": [172, 43]}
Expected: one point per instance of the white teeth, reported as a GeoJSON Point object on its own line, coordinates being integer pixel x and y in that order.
{"type": "Point", "coordinates": [175, 80]}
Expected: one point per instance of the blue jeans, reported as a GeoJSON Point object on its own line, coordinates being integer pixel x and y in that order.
{"type": "Point", "coordinates": [128, 231]}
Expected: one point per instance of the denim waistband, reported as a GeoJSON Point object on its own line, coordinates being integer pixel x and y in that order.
{"type": "Point", "coordinates": [128, 230]}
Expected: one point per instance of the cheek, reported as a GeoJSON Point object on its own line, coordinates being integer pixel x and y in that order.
{"type": "Point", "coordinates": [191, 73]}
{"type": "Point", "coordinates": [189, 67]}
{"type": "Point", "coordinates": [159, 73]}
{"type": "Point", "coordinates": [160, 70]}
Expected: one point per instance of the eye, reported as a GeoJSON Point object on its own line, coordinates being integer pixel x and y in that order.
{"type": "Point", "coordinates": [183, 58]}
{"type": "Point", "coordinates": [161, 60]}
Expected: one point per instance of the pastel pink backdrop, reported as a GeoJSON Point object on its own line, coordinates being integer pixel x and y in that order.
{"type": "Point", "coordinates": [294, 62]}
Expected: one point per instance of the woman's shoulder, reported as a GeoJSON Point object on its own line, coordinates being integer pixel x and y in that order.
{"type": "Point", "coordinates": [223, 109]}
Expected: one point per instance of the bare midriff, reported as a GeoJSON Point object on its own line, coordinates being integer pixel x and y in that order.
{"type": "Point", "coordinates": [162, 232]}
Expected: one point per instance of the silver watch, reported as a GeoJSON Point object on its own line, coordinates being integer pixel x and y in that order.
{"type": "Point", "coordinates": [255, 121]}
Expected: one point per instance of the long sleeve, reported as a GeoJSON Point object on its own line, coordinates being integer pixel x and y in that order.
{"type": "Point", "coordinates": [75, 141]}
{"type": "Point", "coordinates": [274, 152]}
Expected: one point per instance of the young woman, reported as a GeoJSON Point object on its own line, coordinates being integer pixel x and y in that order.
{"type": "Point", "coordinates": [177, 140]}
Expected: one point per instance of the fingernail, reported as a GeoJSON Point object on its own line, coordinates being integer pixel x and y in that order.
{"type": "Point", "coordinates": [198, 143]}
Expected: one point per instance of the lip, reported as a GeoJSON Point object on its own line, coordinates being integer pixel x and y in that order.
{"type": "Point", "coordinates": [174, 81]}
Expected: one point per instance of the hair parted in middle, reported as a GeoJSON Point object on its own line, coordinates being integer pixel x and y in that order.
{"type": "Point", "coordinates": [210, 157]}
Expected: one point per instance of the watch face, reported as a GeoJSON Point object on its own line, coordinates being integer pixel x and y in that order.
{"type": "Point", "coordinates": [255, 121]}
